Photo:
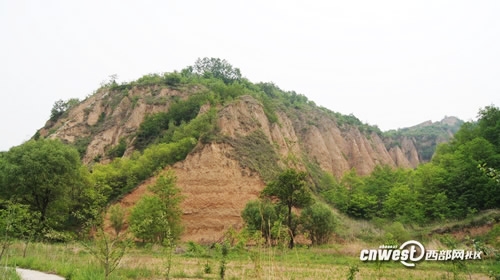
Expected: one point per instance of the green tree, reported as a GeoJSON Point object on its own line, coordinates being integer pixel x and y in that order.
{"type": "Point", "coordinates": [380, 182]}
{"type": "Point", "coordinates": [172, 79]}
{"type": "Point", "coordinates": [217, 68]}
{"type": "Point", "coordinates": [489, 125]}
{"type": "Point", "coordinates": [260, 216]}
{"type": "Point", "coordinates": [58, 109]}
{"type": "Point", "coordinates": [147, 219]}
{"type": "Point", "coordinates": [430, 185]}
{"type": "Point", "coordinates": [291, 189]}
{"type": "Point", "coordinates": [336, 194]}
{"type": "Point", "coordinates": [42, 174]}
{"type": "Point", "coordinates": [61, 106]}
{"type": "Point", "coordinates": [7, 229]}
{"type": "Point", "coordinates": [319, 222]}
{"type": "Point", "coordinates": [402, 204]}
{"type": "Point", "coordinates": [170, 197]}
{"type": "Point", "coordinates": [87, 199]}
{"type": "Point", "coordinates": [117, 218]}
{"type": "Point", "coordinates": [462, 182]}
{"type": "Point", "coordinates": [16, 222]}
{"type": "Point", "coordinates": [465, 185]}
{"type": "Point", "coordinates": [362, 205]}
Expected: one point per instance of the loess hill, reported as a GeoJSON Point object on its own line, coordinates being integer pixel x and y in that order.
{"type": "Point", "coordinates": [242, 134]}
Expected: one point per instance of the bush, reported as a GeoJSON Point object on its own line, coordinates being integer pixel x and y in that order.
{"type": "Point", "coordinates": [147, 219]}
{"type": "Point", "coordinates": [217, 68]}
{"type": "Point", "coordinates": [155, 126]}
{"type": "Point", "coordinates": [319, 222]}
{"type": "Point", "coordinates": [118, 150]}
{"type": "Point", "coordinates": [397, 232]}
{"type": "Point", "coordinates": [260, 216]}
{"type": "Point", "coordinates": [61, 106]}
{"type": "Point", "coordinates": [172, 79]}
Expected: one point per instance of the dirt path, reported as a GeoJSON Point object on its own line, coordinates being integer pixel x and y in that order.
{"type": "Point", "coordinates": [27, 274]}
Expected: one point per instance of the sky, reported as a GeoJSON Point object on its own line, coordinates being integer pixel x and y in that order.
{"type": "Point", "coordinates": [393, 64]}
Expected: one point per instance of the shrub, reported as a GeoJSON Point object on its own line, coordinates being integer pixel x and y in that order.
{"type": "Point", "coordinates": [260, 216]}
{"type": "Point", "coordinates": [319, 222]}
{"type": "Point", "coordinates": [217, 68]}
{"type": "Point", "coordinates": [172, 79]}
{"type": "Point", "coordinates": [147, 219]}
{"type": "Point", "coordinates": [118, 150]}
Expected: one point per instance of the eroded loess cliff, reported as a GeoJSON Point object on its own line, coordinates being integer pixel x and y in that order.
{"type": "Point", "coordinates": [100, 121]}
{"type": "Point", "coordinates": [214, 181]}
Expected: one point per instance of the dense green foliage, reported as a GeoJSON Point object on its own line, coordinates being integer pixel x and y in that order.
{"type": "Point", "coordinates": [160, 127]}
{"type": "Point", "coordinates": [157, 216]}
{"type": "Point", "coordinates": [123, 174]}
{"type": "Point", "coordinates": [260, 216]}
{"type": "Point", "coordinates": [17, 222]}
{"type": "Point", "coordinates": [147, 219]}
{"type": "Point", "coordinates": [318, 222]}
{"type": "Point", "coordinates": [452, 185]}
{"type": "Point", "coordinates": [48, 176]}
{"type": "Point", "coordinates": [216, 68]}
{"type": "Point", "coordinates": [170, 197]}
{"type": "Point", "coordinates": [118, 150]}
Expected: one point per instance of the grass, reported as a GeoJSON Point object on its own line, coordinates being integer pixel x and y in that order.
{"type": "Point", "coordinates": [255, 152]}
{"type": "Point", "coordinates": [8, 273]}
{"type": "Point", "coordinates": [325, 262]}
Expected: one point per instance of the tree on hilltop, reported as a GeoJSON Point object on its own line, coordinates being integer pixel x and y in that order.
{"type": "Point", "coordinates": [217, 68]}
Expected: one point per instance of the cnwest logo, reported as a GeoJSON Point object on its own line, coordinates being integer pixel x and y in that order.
{"type": "Point", "coordinates": [413, 251]}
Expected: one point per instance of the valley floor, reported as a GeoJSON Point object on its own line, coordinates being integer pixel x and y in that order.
{"type": "Point", "coordinates": [329, 262]}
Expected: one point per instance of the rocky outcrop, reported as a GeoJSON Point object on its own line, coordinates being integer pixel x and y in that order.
{"type": "Point", "coordinates": [104, 118]}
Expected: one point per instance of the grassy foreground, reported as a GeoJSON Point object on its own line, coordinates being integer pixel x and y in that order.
{"type": "Point", "coordinates": [196, 262]}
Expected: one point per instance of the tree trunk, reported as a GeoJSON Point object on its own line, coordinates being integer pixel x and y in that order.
{"type": "Point", "coordinates": [290, 226]}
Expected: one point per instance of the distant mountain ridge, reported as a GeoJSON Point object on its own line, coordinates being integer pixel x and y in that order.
{"type": "Point", "coordinates": [424, 136]}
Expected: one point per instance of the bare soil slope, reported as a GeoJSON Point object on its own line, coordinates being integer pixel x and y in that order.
{"type": "Point", "coordinates": [215, 191]}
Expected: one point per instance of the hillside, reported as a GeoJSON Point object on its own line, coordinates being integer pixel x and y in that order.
{"type": "Point", "coordinates": [241, 134]}
{"type": "Point", "coordinates": [336, 143]}
{"type": "Point", "coordinates": [425, 136]}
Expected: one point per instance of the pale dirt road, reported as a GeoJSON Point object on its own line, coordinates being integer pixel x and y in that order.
{"type": "Point", "coordinates": [27, 274]}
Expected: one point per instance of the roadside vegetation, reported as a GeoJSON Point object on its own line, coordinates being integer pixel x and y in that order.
{"type": "Point", "coordinates": [337, 260]}
{"type": "Point", "coordinates": [61, 216]}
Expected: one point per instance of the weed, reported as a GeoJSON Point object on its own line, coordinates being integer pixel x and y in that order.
{"type": "Point", "coordinates": [207, 269]}
{"type": "Point", "coordinates": [353, 269]}
{"type": "Point", "coordinates": [180, 274]}
{"type": "Point", "coordinates": [223, 261]}
{"type": "Point", "coordinates": [169, 243]}
{"type": "Point", "coordinates": [8, 273]}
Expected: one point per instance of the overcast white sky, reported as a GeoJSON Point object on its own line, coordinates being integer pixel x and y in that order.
{"type": "Point", "coordinates": [390, 63]}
